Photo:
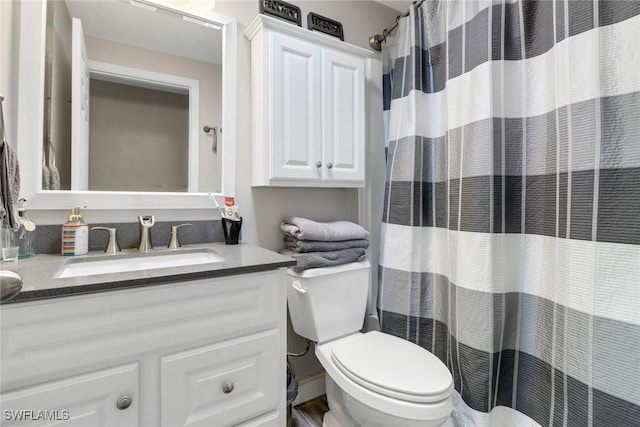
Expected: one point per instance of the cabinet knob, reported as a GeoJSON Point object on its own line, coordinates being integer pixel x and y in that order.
{"type": "Point", "coordinates": [124, 402]}
{"type": "Point", "coordinates": [318, 164]}
{"type": "Point", "coordinates": [329, 165]}
{"type": "Point", "coordinates": [227, 387]}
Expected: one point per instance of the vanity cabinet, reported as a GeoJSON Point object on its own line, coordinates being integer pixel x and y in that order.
{"type": "Point", "coordinates": [100, 398]}
{"type": "Point", "coordinates": [207, 352]}
{"type": "Point", "coordinates": [308, 107]}
{"type": "Point", "coordinates": [221, 384]}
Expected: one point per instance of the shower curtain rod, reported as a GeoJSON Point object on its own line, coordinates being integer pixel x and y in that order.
{"type": "Point", "coordinates": [376, 41]}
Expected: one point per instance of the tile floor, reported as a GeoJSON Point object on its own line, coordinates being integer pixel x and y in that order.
{"type": "Point", "coordinates": [310, 413]}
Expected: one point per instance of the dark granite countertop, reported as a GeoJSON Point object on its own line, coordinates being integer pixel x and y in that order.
{"type": "Point", "coordinates": [39, 283]}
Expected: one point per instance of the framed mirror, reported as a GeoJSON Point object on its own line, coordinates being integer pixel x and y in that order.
{"type": "Point", "coordinates": [137, 101]}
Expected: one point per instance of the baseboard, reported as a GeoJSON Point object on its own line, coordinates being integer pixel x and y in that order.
{"type": "Point", "coordinates": [310, 388]}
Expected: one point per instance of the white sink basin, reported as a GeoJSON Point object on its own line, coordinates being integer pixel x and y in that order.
{"type": "Point", "coordinates": [125, 263]}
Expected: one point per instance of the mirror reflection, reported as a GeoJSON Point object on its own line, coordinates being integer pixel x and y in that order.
{"type": "Point", "coordinates": [132, 99]}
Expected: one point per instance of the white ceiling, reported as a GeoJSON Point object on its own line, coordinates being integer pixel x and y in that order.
{"type": "Point", "coordinates": [162, 31]}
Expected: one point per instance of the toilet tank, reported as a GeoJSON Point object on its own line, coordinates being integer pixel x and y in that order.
{"type": "Point", "coordinates": [328, 303]}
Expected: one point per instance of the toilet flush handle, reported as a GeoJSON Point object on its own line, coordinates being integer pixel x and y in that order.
{"type": "Point", "coordinates": [298, 287]}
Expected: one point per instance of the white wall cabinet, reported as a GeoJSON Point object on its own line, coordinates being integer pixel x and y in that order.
{"type": "Point", "coordinates": [308, 107]}
{"type": "Point", "coordinates": [208, 352]}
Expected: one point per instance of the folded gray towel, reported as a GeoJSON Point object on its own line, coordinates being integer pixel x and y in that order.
{"type": "Point", "coordinates": [306, 229]}
{"type": "Point", "coordinates": [9, 186]}
{"type": "Point", "coordinates": [295, 245]}
{"type": "Point", "coordinates": [326, 259]}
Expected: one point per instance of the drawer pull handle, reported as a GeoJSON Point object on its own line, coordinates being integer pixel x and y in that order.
{"type": "Point", "coordinates": [124, 402]}
{"type": "Point", "coordinates": [227, 387]}
{"type": "Point", "coordinates": [318, 164]}
{"type": "Point", "coordinates": [329, 165]}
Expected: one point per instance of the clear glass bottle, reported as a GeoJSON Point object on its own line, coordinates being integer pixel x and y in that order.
{"type": "Point", "coordinates": [26, 235]}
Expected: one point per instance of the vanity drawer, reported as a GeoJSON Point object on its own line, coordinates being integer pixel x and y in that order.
{"type": "Point", "coordinates": [43, 338]}
{"type": "Point", "coordinates": [222, 384]}
{"type": "Point", "coordinates": [89, 399]}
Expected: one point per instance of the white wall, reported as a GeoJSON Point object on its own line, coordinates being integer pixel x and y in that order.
{"type": "Point", "coordinates": [263, 208]}
{"type": "Point", "coordinates": [9, 27]}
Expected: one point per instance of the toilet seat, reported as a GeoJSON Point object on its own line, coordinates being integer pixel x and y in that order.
{"type": "Point", "coordinates": [404, 409]}
{"type": "Point", "coordinates": [392, 367]}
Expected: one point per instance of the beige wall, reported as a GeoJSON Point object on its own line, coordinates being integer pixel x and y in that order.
{"type": "Point", "coordinates": [138, 139]}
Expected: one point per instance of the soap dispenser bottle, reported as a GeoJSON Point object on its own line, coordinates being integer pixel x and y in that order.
{"type": "Point", "coordinates": [75, 235]}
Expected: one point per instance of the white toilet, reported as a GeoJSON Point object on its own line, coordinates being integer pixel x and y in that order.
{"type": "Point", "coordinates": [373, 379]}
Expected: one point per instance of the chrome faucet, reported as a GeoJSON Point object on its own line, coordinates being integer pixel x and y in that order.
{"type": "Point", "coordinates": [146, 222]}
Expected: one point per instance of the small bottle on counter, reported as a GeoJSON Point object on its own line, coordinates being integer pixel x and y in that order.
{"type": "Point", "coordinates": [26, 233]}
{"type": "Point", "coordinates": [75, 235]}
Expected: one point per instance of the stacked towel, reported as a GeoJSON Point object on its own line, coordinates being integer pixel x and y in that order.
{"type": "Point", "coordinates": [317, 244]}
{"type": "Point", "coordinates": [295, 245]}
{"type": "Point", "coordinates": [306, 229]}
{"type": "Point", "coordinates": [9, 186]}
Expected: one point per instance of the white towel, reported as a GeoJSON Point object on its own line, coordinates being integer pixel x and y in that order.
{"type": "Point", "coordinates": [306, 229]}
{"type": "Point", "coordinates": [9, 187]}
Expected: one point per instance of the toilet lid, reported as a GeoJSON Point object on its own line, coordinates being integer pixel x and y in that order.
{"type": "Point", "coordinates": [393, 367]}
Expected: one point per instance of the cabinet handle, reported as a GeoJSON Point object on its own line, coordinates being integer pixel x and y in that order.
{"type": "Point", "coordinates": [227, 387]}
{"type": "Point", "coordinates": [329, 165]}
{"type": "Point", "coordinates": [124, 402]}
{"type": "Point", "coordinates": [318, 164]}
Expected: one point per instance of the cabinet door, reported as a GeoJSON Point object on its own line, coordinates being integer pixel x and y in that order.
{"type": "Point", "coordinates": [343, 116]}
{"type": "Point", "coordinates": [223, 384]}
{"type": "Point", "coordinates": [84, 400]}
{"type": "Point", "coordinates": [295, 116]}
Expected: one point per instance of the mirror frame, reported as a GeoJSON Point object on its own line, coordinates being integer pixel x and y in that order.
{"type": "Point", "coordinates": [30, 122]}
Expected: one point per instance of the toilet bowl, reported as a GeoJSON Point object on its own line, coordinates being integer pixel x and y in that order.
{"type": "Point", "coordinates": [373, 379]}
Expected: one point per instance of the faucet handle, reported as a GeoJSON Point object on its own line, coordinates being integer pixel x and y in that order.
{"type": "Point", "coordinates": [147, 220]}
{"type": "Point", "coordinates": [174, 243]}
{"type": "Point", "coordinates": [112, 246]}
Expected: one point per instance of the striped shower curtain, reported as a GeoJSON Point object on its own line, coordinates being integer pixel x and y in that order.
{"type": "Point", "coordinates": [511, 232]}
